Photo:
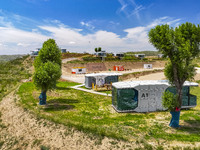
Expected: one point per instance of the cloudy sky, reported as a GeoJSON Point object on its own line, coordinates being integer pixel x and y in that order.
{"type": "Point", "coordinates": [82, 25]}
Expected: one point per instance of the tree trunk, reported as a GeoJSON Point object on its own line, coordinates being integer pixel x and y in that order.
{"type": "Point", "coordinates": [175, 119]}
{"type": "Point", "coordinates": [43, 98]}
{"type": "Point", "coordinates": [179, 93]}
{"type": "Point", "coordinates": [179, 85]}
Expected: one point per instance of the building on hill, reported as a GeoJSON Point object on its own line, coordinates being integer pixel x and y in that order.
{"type": "Point", "coordinates": [35, 52]}
{"type": "Point", "coordinates": [101, 54]}
{"type": "Point", "coordinates": [63, 50]}
{"type": "Point", "coordinates": [141, 56]}
{"type": "Point", "coordinates": [160, 55]}
{"type": "Point", "coordinates": [119, 55]}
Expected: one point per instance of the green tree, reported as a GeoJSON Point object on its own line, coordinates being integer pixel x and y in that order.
{"type": "Point", "coordinates": [181, 46]}
{"type": "Point", "coordinates": [96, 50]}
{"type": "Point", "coordinates": [99, 49]}
{"type": "Point", "coordinates": [47, 68]}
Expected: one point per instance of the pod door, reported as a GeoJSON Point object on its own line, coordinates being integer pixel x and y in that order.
{"type": "Point", "coordinates": [127, 99]}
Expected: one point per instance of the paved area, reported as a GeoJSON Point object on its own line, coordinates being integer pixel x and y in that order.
{"type": "Point", "coordinates": [78, 87]}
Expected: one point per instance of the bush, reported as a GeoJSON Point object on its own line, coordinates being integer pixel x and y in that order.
{"type": "Point", "coordinates": [111, 59]}
{"type": "Point", "coordinates": [91, 58]}
{"type": "Point", "coordinates": [169, 101]}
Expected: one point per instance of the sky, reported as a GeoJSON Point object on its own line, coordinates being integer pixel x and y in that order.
{"type": "Point", "coordinates": [81, 25]}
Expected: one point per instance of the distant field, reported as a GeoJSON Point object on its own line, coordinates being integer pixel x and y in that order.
{"type": "Point", "coordinates": [6, 58]}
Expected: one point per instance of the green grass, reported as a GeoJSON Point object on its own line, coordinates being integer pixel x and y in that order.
{"type": "Point", "coordinates": [11, 73]}
{"type": "Point", "coordinates": [94, 114]}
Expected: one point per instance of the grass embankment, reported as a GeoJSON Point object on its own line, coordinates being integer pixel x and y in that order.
{"type": "Point", "coordinates": [11, 73]}
{"type": "Point", "coordinates": [72, 55]}
{"type": "Point", "coordinates": [108, 59]}
{"type": "Point", "coordinates": [94, 114]}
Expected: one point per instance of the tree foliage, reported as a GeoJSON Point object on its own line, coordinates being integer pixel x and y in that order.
{"type": "Point", "coordinates": [47, 66]}
{"type": "Point", "coordinates": [169, 101]}
{"type": "Point", "coordinates": [46, 75]}
{"type": "Point", "coordinates": [97, 49]}
{"type": "Point", "coordinates": [50, 52]}
{"type": "Point", "coordinates": [181, 45]}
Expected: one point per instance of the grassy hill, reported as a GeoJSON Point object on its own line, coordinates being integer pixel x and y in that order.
{"type": "Point", "coordinates": [6, 58]}
{"type": "Point", "coordinates": [13, 70]}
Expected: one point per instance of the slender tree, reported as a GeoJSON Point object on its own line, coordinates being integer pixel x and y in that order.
{"type": "Point", "coordinates": [181, 45]}
{"type": "Point", "coordinates": [99, 49]}
{"type": "Point", "coordinates": [47, 68]}
{"type": "Point", "coordinates": [96, 50]}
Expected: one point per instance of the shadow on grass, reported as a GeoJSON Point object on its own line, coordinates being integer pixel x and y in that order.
{"type": "Point", "coordinates": [62, 88]}
{"type": "Point", "coordinates": [58, 107]}
{"type": "Point", "coordinates": [62, 101]}
{"type": "Point", "coordinates": [190, 126]}
{"type": "Point", "coordinates": [60, 104]}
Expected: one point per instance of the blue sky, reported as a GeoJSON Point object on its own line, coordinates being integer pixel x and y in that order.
{"type": "Point", "coordinates": [82, 25]}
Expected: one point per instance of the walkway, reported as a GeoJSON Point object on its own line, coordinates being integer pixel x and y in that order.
{"type": "Point", "coordinates": [78, 87]}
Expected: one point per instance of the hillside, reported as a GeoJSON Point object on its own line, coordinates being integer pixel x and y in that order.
{"type": "Point", "coordinates": [6, 58]}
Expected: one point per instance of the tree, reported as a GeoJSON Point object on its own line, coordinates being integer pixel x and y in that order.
{"type": "Point", "coordinates": [96, 50]}
{"type": "Point", "coordinates": [181, 45]}
{"type": "Point", "coordinates": [99, 49]}
{"type": "Point", "coordinates": [47, 68]}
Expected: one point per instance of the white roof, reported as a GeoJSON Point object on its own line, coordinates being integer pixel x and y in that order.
{"type": "Point", "coordinates": [139, 54]}
{"type": "Point", "coordinates": [103, 74]}
{"type": "Point", "coordinates": [35, 50]}
{"type": "Point", "coordinates": [131, 84]}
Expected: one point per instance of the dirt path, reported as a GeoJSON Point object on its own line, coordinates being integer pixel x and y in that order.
{"type": "Point", "coordinates": [68, 59]}
{"type": "Point", "coordinates": [21, 129]}
{"type": "Point", "coordinates": [153, 76]}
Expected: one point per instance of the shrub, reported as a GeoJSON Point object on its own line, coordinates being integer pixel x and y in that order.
{"type": "Point", "coordinates": [169, 101]}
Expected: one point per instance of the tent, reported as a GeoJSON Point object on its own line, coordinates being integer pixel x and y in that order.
{"type": "Point", "coordinates": [100, 79]}
{"type": "Point", "coordinates": [146, 96]}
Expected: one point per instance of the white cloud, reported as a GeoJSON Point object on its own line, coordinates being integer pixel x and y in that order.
{"type": "Point", "coordinates": [5, 23]}
{"type": "Point", "coordinates": [136, 11]}
{"type": "Point", "coordinates": [72, 42]}
{"type": "Point", "coordinates": [20, 41]}
{"type": "Point", "coordinates": [88, 25]}
{"type": "Point", "coordinates": [130, 8]}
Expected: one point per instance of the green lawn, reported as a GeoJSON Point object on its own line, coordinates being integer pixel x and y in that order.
{"type": "Point", "coordinates": [94, 114]}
